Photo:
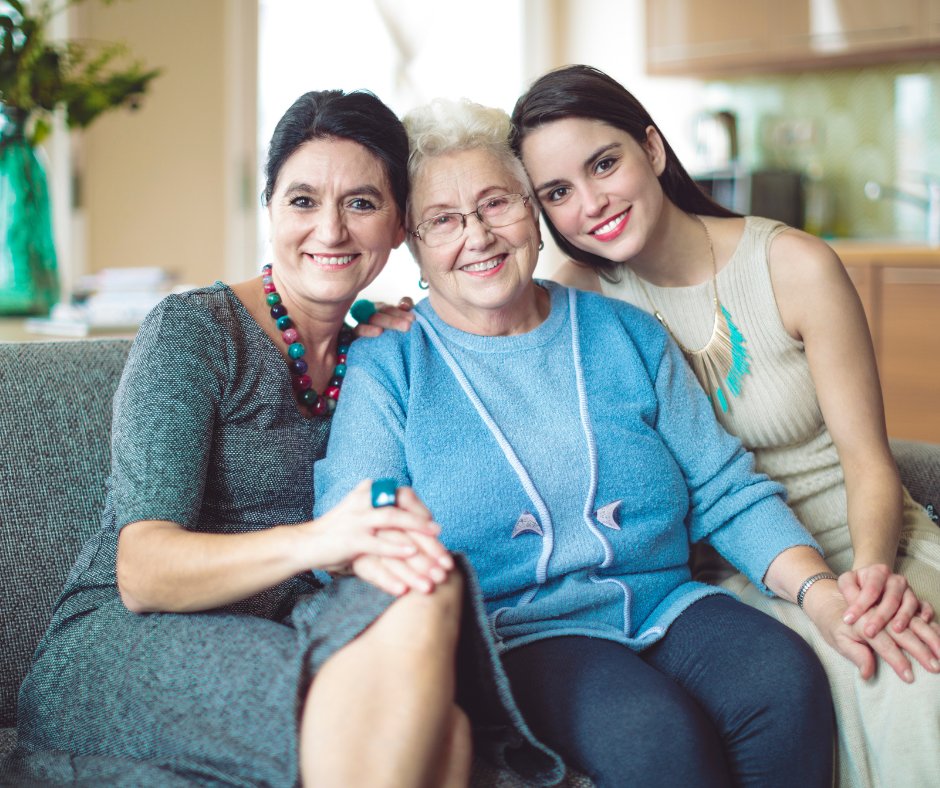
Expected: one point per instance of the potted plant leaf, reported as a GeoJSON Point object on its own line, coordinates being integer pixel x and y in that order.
{"type": "Point", "coordinates": [37, 76]}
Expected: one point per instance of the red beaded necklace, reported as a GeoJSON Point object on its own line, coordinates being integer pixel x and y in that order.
{"type": "Point", "coordinates": [319, 405]}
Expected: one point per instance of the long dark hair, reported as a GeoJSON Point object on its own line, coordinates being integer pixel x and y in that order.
{"type": "Point", "coordinates": [586, 92]}
{"type": "Point", "coordinates": [359, 116]}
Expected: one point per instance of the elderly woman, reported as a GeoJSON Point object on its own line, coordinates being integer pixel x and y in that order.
{"type": "Point", "coordinates": [562, 443]}
{"type": "Point", "coordinates": [191, 641]}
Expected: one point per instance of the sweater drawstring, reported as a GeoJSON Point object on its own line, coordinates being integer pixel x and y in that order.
{"type": "Point", "coordinates": [548, 535]}
{"type": "Point", "coordinates": [548, 530]}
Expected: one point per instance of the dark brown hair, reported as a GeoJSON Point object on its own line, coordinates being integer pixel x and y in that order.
{"type": "Point", "coordinates": [359, 116]}
{"type": "Point", "coordinates": [586, 92]}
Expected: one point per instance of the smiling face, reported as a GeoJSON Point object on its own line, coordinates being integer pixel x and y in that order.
{"type": "Point", "coordinates": [484, 276]}
{"type": "Point", "coordinates": [598, 185]}
{"type": "Point", "coordinates": [334, 221]}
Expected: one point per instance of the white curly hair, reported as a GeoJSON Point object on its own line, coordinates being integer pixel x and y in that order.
{"type": "Point", "coordinates": [445, 126]}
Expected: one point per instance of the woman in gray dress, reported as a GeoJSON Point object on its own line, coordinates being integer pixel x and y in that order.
{"type": "Point", "coordinates": [195, 640]}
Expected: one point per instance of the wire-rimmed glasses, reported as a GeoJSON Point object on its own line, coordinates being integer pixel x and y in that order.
{"type": "Point", "coordinates": [499, 211]}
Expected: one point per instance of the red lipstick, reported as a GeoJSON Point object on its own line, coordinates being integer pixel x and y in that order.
{"type": "Point", "coordinates": [619, 228]}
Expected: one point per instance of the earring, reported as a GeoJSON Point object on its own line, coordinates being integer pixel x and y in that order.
{"type": "Point", "coordinates": [423, 283]}
{"type": "Point", "coordinates": [541, 245]}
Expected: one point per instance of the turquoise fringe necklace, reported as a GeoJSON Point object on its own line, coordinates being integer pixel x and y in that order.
{"type": "Point", "coordinates": [724, 358]}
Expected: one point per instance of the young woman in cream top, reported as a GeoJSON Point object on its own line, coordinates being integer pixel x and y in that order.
{"type": "Point", "coordinates": [774, 329]}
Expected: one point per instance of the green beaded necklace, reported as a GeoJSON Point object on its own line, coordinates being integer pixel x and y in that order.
{"type": "Point", "coordinates": [319, 405]}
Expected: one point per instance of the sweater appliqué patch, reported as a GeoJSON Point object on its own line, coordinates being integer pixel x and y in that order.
{"type": "Point", "coordinates": [526, 523]}
{"type": "Point", "coordinates": [606, 515]}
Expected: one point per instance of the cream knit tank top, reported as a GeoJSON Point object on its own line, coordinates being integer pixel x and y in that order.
{"type": "Point", "coordinates": [777, 415]}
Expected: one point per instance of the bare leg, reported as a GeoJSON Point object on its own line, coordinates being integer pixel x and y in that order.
{"type": "Point", "coordinates": [458, 758]}
{"type": "Point", "coordinates": [381, 711]}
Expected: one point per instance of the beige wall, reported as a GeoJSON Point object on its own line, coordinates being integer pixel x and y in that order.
{"type": "Point", "coordinates": [154, 181]}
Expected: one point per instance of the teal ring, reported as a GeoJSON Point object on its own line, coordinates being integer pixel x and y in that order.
{"type": "Point", "coordinates": [383, 492]}
{"type": "Point", "coordinates": [362, 310]}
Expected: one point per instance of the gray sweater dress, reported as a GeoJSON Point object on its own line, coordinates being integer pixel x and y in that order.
{"type": "Point", "coordinates": [206, 434]}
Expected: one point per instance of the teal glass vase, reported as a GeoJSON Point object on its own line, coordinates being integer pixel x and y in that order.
{"type": "Point", "coordinates": [28, 281]}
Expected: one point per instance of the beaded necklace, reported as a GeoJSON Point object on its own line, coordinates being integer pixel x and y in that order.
{"type": "Point", "coordinates": [319, 405]}
{"type": "Point", "coordinates": [724, 358]}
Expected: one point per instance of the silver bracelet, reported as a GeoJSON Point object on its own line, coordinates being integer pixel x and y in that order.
{"type": "Point", "coordinates": [809, 581]}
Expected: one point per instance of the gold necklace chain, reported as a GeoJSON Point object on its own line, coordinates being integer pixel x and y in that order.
{"type": "Point", "coordinates": [724, 359]}
{"type": "Point", "coordinates": [656, 312]}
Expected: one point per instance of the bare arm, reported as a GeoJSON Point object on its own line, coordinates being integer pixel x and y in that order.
{"type": "Point", "coordinates": [161, 566]}
{"type": "Point", "coordinates": [572, 274]}
{"type": "Point", "coordinates": [819, 305]}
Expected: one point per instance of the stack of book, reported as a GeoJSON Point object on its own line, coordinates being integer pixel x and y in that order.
{"type": "Point", "coordinates": [114, 299]}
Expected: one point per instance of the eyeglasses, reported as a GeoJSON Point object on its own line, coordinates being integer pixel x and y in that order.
{"type": "Point", "coordinates": [498, 211]}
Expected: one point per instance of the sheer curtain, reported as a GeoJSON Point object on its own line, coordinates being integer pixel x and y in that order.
{"type": "Point", "coordinates": [407, 52]}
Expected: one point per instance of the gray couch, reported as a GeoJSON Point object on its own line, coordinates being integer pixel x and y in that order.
{"type": "Point", "coordinates": [55, 423]}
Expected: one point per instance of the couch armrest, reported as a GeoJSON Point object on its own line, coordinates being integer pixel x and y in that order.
{"type": "Point", "coordinates": [919, 466]}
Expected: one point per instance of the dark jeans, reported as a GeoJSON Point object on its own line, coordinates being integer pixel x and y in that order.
{"type": "Point", "coordinates": [728, 697]}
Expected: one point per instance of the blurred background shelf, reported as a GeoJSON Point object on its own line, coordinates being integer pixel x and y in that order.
{"type": "Point", "coordinates": [13, 330]}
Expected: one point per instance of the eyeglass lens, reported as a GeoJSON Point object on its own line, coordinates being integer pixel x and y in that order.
{"type": "Point", "coordinates": [495, 212]}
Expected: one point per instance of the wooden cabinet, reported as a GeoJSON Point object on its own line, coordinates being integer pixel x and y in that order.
{"type": "Point", "coordinates": [909, 354]}
{"type": "Point", "coordinates": [727, 37]}
{"type": "Point", "coordinates": [842, 27]}
{"type": "Point", "coordinates": [690, 34]}
{"type": "Point", "coordinates": [900, 291]}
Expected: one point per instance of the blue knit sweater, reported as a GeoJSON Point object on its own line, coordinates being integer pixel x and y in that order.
{"type": "Point", "coordinates": [577, 503]}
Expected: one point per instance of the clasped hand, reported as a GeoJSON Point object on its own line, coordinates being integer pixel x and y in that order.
{"type": "Point", "coordinates": [883, 594]}
{"type": "Point", "coordinates": [879, 614]}
{"type": "Point", "coordinates": [392, 547]}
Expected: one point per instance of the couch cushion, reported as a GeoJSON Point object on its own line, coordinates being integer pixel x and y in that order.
{"type": "Point", "coordinates": [919, 466]}
{"type": "Point", "coordinates": [485, 775]}
{"type": "Point", "coordinates": [55, 455]}
{"type": "Point", "coordinates": [7, 741]}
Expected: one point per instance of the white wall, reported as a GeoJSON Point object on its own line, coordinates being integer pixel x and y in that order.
{"type": "Point", "coordinates": [152, 180]}
{"type": "Point", "coordinates": [611, 35]}
{"type": "Point", "coordinates": [407, 52]}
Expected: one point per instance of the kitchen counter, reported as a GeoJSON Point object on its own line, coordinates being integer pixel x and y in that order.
{"type": "Point", "coordinates": [884, 254]}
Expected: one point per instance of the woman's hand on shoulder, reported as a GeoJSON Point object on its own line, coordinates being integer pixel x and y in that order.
{"type": "Point", "coordinates": [826, 607]}
{"type": "Point", "coordinates": [397, 317]}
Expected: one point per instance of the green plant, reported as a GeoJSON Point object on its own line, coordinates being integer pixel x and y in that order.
{"type": "Point", "coordinates": [38, 75]}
